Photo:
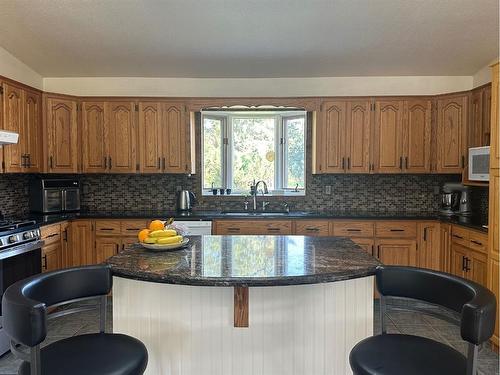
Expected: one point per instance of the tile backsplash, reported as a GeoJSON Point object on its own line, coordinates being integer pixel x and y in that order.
{"type": "Point", "coordinates": [409, 193]}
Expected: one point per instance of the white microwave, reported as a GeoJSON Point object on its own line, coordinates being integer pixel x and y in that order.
{"type": "Point", "coordinates": [479, 163]}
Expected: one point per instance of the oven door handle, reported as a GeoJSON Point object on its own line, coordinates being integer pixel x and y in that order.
{"type": "Point", "coordinates": [21, 249]}
{"type": "Point", "coordinates": [64, 203]}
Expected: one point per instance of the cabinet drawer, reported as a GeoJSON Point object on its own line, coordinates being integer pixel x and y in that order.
{"type": "Point", "coordinates": [478, 241]}
{"type": "Point", "coordinates": [132, 227]}
{"type": "Point", "coordinates": [353, 228]}
{"type": "Point", "coordinates": [259, 227]}
{"type": "Point", "coordinates": [460, 235]}
{"type": "Point", "coordinates": [396, 229]}
{"type": "Point", "coordinates": [312, 227]}
{"type": "Point", "coordinates": [51, 233]}
{"type": "Point", "coordinates": [107, 227]}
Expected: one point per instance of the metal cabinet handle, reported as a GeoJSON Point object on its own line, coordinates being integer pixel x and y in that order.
{"type": "Point", "coordinates": [233, 229]}
{"type": "Point", "coordinates": [52, 235]}
{"type": "Point", "coordinates": [29, 160]}
{"type": "Point", "coordinates": [312, 229]}
{"type": "Point", "coordinates": [397, 230]}
{"type": "Point", "coordinates": [425, 234]}
{"type": "Point", "coordinates": [134, 229]}
{"type": "Point", "coordinates": [105, 162]}
{"type": "Point", "coordinates": [463, 263]}
{"type": "Point", "coordinates": [353, 230]}
{"type": "Point", "coordinates": [110, 162]}
{"type": "Point", "coordinates": [51, 162]}
{"type": "Point", "coordinates": [343, 163]}
{"type": "Point", "coordinates": [463, 161]}
{"type": "Point", "coordinates": [467, 268]}
{"type": "Point", "coordinates": [457, 236]}
{"type": "Point", "coordinates": [163, 161]}
{"type": "Point", "coordinates": [273, 229]}
{"type": "Point", "coordinates": [476, 242]}
{"type": "Point", "coordinates": [401, 162]}
{"type": "Point", "coordinates": [65, 235]}
{"type": "Point", "coordinates": [406, 162]}
{"type": "Point", "coordinates": [378, 251]}
{"type": "Point", "coordinates": [106, 229]}
{"type": "Point", "coordinates": [372, 249]}
{"type": "Point", "coordinates": [348, 163]}
{"type": "Point", "coordinates": [159, 163]}
{"type": "Point", "coordinates": [44, 262]}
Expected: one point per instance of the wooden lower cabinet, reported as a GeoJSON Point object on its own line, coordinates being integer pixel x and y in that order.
{"type": "Point", "coordinates": [311, 227]}
{"type": "Point", "coordinates": [429, 246]}
{"type": "Point", "coordinates": [106, 247]}
{"type": "Point", "coordinates": [255, 227]}
{"type": "Point", "coordinates": [457, 260]}
{"type": "Point", "coordinates": [367, 244]}
{"type": "Point", "coordinates": [52, 257]}
{"type": "Point", "coordinates": [469, 264]}
{"type": "Point", "coordinates": [445, 245]}
{"type": "Point", "coordinates": [493, 284]}
{"type": "Point", "coordinates": [80, 243]}
{"type": "Point", "coordinates": [397, 252]}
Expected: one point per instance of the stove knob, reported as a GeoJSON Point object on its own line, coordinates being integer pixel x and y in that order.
{"type": "Point", "coordinates": [12, 239]}
{"type": "Point", "coordinates": [27, 235]}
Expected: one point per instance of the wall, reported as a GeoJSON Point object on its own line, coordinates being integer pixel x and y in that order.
{"type": "Point", "coordinates": [482, 76]}
{"type": "Point", "coordinates": [255, 87]}
{"type": "Point", "coordinates": [14, 194]}
{"type": "Point", "coordinates": [13, 68]}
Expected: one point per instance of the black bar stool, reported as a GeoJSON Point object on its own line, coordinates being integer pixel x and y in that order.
{"type": "Point", "coordinates": [25, 315]}
{"type": "Point", "coordinates": [396, 354]}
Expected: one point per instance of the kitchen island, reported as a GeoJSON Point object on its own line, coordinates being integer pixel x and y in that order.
{"type": "Point", "coordinates": [246, 304]}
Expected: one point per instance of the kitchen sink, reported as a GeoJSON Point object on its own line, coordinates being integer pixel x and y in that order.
{"type": "Point", "coordinates": [255, 213]}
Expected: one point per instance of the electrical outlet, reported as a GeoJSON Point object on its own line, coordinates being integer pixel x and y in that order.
{"type": "Point", "coordinates": [328, 189]}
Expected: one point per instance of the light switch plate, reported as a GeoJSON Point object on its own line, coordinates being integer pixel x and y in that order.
{"type": "Point", "coordinates": [328, 189]}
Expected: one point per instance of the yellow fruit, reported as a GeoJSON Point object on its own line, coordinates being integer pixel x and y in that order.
{"type": "Point", "coordinates": [163, 233]}
{"type": "Point", "coordinates": [150, 240]}
{"type": "Point", "coordinates": [169, 240]}
{"type": "Point", "coordinates": [143, 234]}
{"type": "Point", "coordinates": [156, 225]}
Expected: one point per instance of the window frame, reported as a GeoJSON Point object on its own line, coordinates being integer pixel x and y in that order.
{"type": "Point", "coordinates": [280, 148]}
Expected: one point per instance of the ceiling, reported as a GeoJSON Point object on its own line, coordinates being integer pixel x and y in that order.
{"type": "Point", "coordinates": [250, 38]}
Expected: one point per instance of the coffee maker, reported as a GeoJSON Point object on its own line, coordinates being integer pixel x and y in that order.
{"type": "Point", "coordinates": [455, 199]}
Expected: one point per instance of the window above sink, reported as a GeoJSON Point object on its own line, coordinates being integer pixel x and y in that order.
{"type": "Point", "coordinates": [239, 146]}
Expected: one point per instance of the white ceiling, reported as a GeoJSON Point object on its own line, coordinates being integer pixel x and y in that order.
{"type": "Point", "coordinates": [250, 38]}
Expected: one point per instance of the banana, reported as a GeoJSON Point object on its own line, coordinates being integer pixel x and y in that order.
{"type": "Point", "coordinates": [163, 233]}
{"type": "Point", "coordinates": [169, 240]}
{"type": "Point", "coordinates": [150, 240]}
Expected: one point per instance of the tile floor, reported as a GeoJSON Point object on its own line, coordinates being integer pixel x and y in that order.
{"type": "Point", "coordinates": [397, 322]}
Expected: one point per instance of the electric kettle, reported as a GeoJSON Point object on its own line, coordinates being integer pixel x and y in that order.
{"type": "Point", "coordinates": [185, 200]}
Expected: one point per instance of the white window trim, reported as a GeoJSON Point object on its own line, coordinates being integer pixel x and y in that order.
{"type": "Point", "coordinates": [281, 173]}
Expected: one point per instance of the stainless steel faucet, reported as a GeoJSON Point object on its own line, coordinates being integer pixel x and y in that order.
{"type": "Point", "coordinates": [254, 190]}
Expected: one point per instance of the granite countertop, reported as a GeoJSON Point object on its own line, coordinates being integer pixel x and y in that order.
{"type": "Point", "coordinates": [473, 222]}
{"type": "Point", "coordinates": [248, 261]}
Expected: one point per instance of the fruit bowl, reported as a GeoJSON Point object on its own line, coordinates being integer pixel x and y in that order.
{"type": "Point", "coordinates": [165, 247]}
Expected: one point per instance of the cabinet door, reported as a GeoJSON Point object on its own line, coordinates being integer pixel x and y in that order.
{"type": "Point", "coordinates": [150, 137]}
{"type": "Point", "coordinates": [106, 247]}
{"type": "Point", "coordinates": [400, 252]}
{"type": "Point", "coordinates": [493, 285]}
{"type": "Point", "coordinates": [457, 260]}
{"type": "Point", "coordinates": [429, 250]}
{"type": "Point", "coordinates": [121, 137]}
{"type": "Point", "coordinates": [358, 137]}
{"type": "Point", "coordinates": [127, 241]}
{"type": "Point", "coordinates": [333, 130]}
{"type": "Point", "coordinates": [486, 117]}
{"type": "Point", "coordinates": [494, 213]}
{"type": "Point", "coordinates": [451, 135]}
{"type": "Point", "coordinates": [51, 257]}
{"type": "Point", "coordinates": [445, 246]}
{"type": "Point", "coordinates": [476, 118]}
{"type": "Point", "coordinates": [477, 267]}
{"type": "Point", "coordinates": [417, 137]}
{"type": "Point", "coordinates": [388, 153]}
{"type": "Point", "coordinates": [13, 120]}
{"type": "Point", "coordinates": [33, 131]}
{"type": "Point", "coordinates": [367, 244]}
{"type": "Point", "coordinates": [94, 135]}
{"type": "Point", "coordinates": [81, 244]}
{"type": "Point", "coordinates": [62, 142]}
{"type": "Point", "coordinates": [175, 138]}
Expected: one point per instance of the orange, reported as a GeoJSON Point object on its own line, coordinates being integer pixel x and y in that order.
{"type": "Point", "coordinates": [156, 225]}
{"type": "Point", "coordinates": [143, 234]}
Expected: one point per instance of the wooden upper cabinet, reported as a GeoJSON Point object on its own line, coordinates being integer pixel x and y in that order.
{"type": "Point", "coordinates": [32, 138]}
{"type": "Point", "coordinates": [388, 152]}
{"type": "Point", "coordinates": [62, 134]}
{"type": "Point", "coordinates": [176, 138]}
{"type": "Point", "coordinates": [358, 136]}
{"type": "Point", "coordinates": [451, 134]}
{"type": "Point", "coordinates": [417, 136]}
{"type": "Point", "coordinates": [151, 134]}
{"type": "Point", "coordinates": [495, 119]}
{"type": "Point", "coordinates": [94, 149]}
{"type": "Point", "coordinates": [479, 119]}
{"type": "Point", "coordinates": [121, 137]}
{"type": "Point", "coordinates": [332, 135]}
{"type": "Point", "coordinates": [13, 120]}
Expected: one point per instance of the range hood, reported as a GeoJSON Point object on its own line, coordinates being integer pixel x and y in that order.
{"type": "Point", "coordinates": [8, 138]}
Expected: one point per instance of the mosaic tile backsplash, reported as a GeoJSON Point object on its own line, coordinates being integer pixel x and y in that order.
{"type": "Point", "coordinates": [407, 193]}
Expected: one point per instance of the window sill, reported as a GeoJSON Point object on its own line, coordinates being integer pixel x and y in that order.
{"type": "Point", "coordinates": [300, 193]}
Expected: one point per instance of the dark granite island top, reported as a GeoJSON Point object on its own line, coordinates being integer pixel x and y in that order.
{"type": "Point", "coordinates": [248, 261]}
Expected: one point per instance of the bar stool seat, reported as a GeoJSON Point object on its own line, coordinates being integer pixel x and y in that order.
{"type": "Point", "coordinates": [395, 354]}
{"type": "Point", "coordinates": [99, 353]}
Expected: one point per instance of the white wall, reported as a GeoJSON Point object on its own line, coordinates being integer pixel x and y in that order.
{"type": "Point", "coordinates": [251, 87]}
{"type": "Point", "coordinates": [12, 67]}
{"type": "Point", "coordinates": [482, 76]}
